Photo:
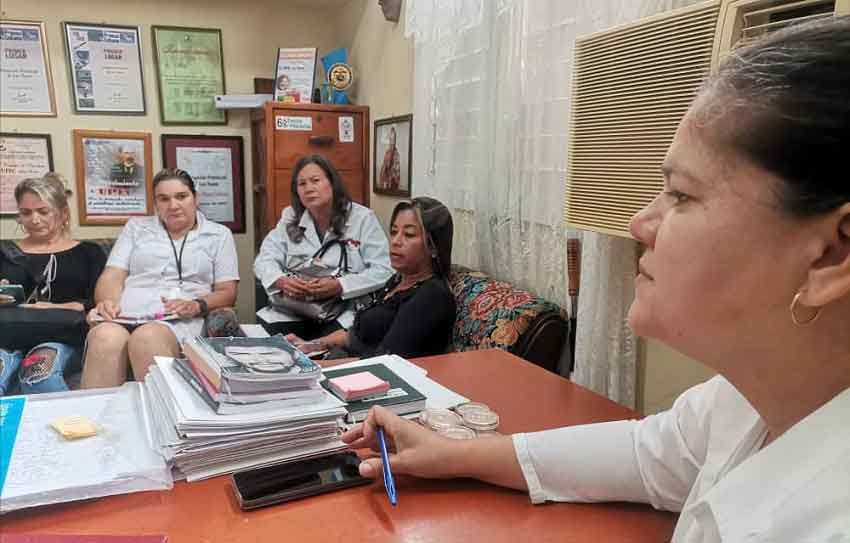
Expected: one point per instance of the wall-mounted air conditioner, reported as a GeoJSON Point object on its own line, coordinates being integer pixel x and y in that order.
{"type": "Point", "coordinates": [631, 86]}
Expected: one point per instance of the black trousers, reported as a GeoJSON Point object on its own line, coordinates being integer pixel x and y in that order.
{"type": "Point", "coordinates": [306, 330]}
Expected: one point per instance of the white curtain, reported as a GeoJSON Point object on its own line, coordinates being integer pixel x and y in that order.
{"type": "Point", "coordinates": [491, 113]}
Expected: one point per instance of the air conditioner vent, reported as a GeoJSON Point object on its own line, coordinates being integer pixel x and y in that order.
{"type": "Point", "coordinates": [632, 85]}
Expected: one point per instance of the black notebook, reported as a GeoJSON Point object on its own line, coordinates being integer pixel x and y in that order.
{"type": "Point", "coordinates": [402, 398]}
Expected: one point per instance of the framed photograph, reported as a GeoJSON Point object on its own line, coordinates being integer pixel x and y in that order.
{"type": "Point", "coordinates": [113, 176]}
{"type": "Point", "coordinates": [21, 156]}
{"type": "Point", "coordinates": [26, 84]}
{"type": "Point", "coordinates": [295, 73]}
{"type": "Point", "coordinates": [392, 159]}
{"type": "Point", "coordinates": [216, 165]}
{"type": "Point", "coordinates": [190, 73]}
{"type": "Point", "coordinates": [105, 62]}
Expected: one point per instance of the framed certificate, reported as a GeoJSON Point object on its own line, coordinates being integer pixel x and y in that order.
{"type": "Point", "coordinates": [114, 180]}
{"type": "Point", "coordinates": [105, 62]}
{"type": "Point", "coordinates": [190, 73]}
{"type": "Point", "coordinates": [216, 165]}
{"type": "Point", "coordinates": [26, 84]}
{"type": "Point", "coordinates": [294, 74]}
{"type": "Point", "coordinates": [21, 156]}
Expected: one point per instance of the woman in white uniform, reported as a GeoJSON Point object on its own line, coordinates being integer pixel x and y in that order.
{"type": "Point", "coordinates": [321, 212]}
{"type": "Point", "coordinates": [747, 269]}
{"type": "Point", "coordinates": [174, 265]}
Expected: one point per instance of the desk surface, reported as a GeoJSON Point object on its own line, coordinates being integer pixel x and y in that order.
{"type": "Point", "coordinates": [526, 397]}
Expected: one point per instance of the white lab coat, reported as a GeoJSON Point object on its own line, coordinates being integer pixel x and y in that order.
{"type": "Point", "coordinates": [368, 258]}
{"type": "Point", "coordinates": [703, 457]}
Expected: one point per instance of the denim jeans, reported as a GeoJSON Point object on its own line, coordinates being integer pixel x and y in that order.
{"type": "Point", "coordinates": [38, 371]}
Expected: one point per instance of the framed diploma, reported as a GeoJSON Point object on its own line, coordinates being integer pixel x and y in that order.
{"type": "Point", "coordinates": [215, 163]}
{"type": "Point", "coordinates": [392, 156]}
{"type": "Point", "coordinates": [294, 75]}
{"type": "Point", "coordinates": [190, 73]}
{"type": "Point", "coordinates": [26, 85]}
{"type": "Point", "coordinates": [21, 156]}
{"type": "Point", "coordinates": [105, 62]}
{"type": "Point", "coordinates": [114, 180]}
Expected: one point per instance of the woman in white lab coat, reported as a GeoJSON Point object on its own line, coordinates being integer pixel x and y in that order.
{"type": "Point", "coordinates": [746, 269]}
{"type": "Point", "coordinates": [321, 212]}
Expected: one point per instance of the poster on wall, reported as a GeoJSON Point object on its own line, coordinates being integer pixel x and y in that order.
{"type": "Point", "coordinates": [190, 73]}
{"type": "Point", "coordinates": [113, 175]}
{"type": "Point", "coordinates": [26, 86]}
{"type": "Point", "coordinates": [21, 156]}
{"type": "Point", "coordinates": [215, 164]}
{"type": "Point", "coordinates": [392, 156]}
{"type": "Point", "coordinates": [294, 74]}
{"type": "Point", "coordinates": [106, 68]}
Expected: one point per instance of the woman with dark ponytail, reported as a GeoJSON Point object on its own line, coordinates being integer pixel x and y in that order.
{"type": "Point", "coordinates": [746, 269]}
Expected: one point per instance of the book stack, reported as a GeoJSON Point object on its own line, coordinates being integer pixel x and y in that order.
{"type": "Point", "coordinates": [238, 403]}
{"type": "Point", "coordinates": [398, 395]}
{"type": "Point", "coordinates": [242, 375]}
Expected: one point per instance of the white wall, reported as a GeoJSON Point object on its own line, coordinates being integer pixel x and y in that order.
{"type": "Point", "coordinates": [251, 33]}
{"type": "Point", "coordinates": [383, 60]}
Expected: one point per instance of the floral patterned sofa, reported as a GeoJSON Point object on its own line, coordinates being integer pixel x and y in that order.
{"type": "Point", "coordinates": [493, 313]}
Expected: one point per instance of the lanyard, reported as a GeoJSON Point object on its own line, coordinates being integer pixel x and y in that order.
{"type": "Point", "coordinates": [178, 259]}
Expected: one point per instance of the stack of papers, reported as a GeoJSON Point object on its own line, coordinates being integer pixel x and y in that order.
{"type": "Point", "coordinates": [39, 466]}
{"type": "Point", "coordinates": [203, 444]}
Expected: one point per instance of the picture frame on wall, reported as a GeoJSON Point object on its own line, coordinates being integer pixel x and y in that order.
{"type": "Point", "coordinates": [26, 81]}
{"type": "Point", "coordinates": [22, 156]}
{"type": "Point", "coordinates": [105, 63]}
{"type": "Point", "coordinates": [216, 165]}
{"type": "Point", "coordinates": [189, 74]}
{"type": "Point", "coordinates": [113, 176]}
{"type": "Point", "coordinates": [393, 153]}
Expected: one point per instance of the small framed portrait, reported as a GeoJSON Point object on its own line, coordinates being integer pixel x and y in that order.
{"type": "Point", "coordinates": [216, 165]}
{"type": "Point", "coordinates": [392, 157]}
{"type": "Point", "coordinates": [114, 180]}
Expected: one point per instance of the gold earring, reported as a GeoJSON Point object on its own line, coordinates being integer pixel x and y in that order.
{"type": "Point", "coordinates": [794, 303]}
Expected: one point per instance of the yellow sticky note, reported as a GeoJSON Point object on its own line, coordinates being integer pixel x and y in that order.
{"type": "Point", "coordinates": [75, 427]}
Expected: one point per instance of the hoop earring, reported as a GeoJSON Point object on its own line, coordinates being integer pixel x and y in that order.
{"type": "Point", "coordinates": [794, 303]}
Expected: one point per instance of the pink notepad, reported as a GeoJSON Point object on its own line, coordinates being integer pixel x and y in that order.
{"type": "Point", "coordinates": [357, 385]}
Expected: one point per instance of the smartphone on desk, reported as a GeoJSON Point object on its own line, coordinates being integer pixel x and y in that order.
{"type": "Point", "coordinates": [293, 480]}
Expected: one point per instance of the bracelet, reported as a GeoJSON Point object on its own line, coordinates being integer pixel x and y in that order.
{"type": "Point", "coordinates": [205, 308]}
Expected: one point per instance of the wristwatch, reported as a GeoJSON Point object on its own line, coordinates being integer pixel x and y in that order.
{"type": "Point", "coordinates": [205, 309]}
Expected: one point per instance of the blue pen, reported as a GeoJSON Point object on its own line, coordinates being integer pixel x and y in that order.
{"type": "Point", "coordinates": [389, 484]}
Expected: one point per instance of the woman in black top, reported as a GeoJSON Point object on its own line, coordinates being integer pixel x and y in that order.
{"type": "Point", "coordinates": [414, 314]}
{"type": "Point", "coordinates": [58, 275]}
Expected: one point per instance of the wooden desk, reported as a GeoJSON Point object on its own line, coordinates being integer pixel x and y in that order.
{"type": "Point", "coordinates": [526, 397]}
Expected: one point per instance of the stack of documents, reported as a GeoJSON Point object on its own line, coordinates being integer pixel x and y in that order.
{"type": "Point", "coordinates": [202, 443]}
{"type": "Point", "coordinates": [39, 466]}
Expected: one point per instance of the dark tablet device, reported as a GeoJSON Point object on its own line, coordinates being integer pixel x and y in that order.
{"type": "Point", "coordinates": [11, 295]}
{"type": "Point", "coordinates": [293, 480]}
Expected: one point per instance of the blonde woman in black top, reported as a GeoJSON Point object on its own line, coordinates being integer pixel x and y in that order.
{"type": "Point", "coordinates": [58, 274]}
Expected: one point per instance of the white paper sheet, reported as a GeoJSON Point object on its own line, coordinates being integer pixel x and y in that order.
{"type": "Point", "coordinates": [47, 468]}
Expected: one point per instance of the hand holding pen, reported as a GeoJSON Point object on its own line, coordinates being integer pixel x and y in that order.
{"type": "Point", "coordinates": [410, 448]}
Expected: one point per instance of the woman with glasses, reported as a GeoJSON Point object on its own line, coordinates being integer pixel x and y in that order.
{"type": "Point", "coordinates": [414, 314]}
{"type": "Point", "coordinates": [58, 276]}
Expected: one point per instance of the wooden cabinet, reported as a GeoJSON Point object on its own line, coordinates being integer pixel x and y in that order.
{"type": "Point", "coordinates": [281, 133]}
